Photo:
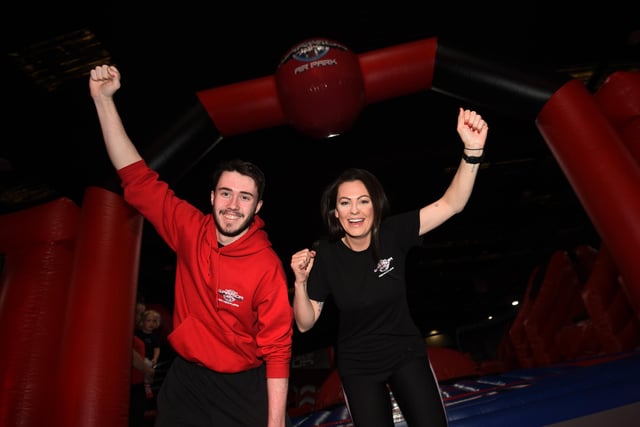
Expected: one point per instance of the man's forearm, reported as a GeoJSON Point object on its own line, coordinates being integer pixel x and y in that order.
{"type": "Point", "coordinates": [277, 389]}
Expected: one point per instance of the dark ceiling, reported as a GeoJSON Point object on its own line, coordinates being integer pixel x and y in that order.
{"type": "Point", "coordinates": [522, 207]}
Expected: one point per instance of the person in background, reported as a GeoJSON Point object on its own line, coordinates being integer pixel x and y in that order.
{"type": "Point", "coordinates": [362, 266]}
{"type": "Point", "coordinates": [146, 331]}
{"type": "Point", "coordinates": [232, 319]}
{"type": "Point", "coordinates": [140, 369]}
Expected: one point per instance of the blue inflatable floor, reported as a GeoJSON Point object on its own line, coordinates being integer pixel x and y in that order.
{"type": "Point", "coordinates": [533, 397]}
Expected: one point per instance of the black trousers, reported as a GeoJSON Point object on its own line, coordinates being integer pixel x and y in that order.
{"type": "Point", "coordinates": [192, 395]}
{"type": "Point", "coordinates": [137, 405]}
{"type": "Point", "coordinates": [414, 388]}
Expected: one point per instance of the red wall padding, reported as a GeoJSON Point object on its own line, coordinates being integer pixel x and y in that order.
{"type": "Point", "coordinates": [38, 245]}
{"type": "Point", "coordinates": [615, 324]}
{"type": "Point", "coordinates": [517, 335]}
{"type": "Point", "coordinates": [557, 304]}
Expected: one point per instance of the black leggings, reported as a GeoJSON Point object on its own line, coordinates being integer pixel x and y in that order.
{"type": "Point", "coordinates": [414, 388]}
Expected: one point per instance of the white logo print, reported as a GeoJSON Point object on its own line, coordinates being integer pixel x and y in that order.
{"type": "Point", "coordinates": [384, 266]}
{"type": "Point", "coordinates": [229, 296]}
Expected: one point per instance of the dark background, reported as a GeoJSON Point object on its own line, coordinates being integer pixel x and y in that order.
{"type": "Point", "coordinates": [522, 208]}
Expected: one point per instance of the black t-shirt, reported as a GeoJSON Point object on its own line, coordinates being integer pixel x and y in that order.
{"type": "Point", "coordinates": [151, 341]}
{"type": "Point", "coordinates": [376, 330]}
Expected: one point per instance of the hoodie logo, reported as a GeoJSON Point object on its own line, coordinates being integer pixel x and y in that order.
{"type": "Point", "coordinates": [384, 266]}
{"type": "Point", "coordinates": [229, 296]}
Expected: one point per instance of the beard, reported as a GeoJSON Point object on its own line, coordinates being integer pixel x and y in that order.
{"type": "Point", "coordinates": [229, 231]}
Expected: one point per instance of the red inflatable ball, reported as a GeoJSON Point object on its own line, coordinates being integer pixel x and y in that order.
{"type": "Point", "coordinates": [320, 87]}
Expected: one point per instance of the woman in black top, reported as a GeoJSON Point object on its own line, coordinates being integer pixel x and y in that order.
{"type": "Point", "coordinates": [362, 266]}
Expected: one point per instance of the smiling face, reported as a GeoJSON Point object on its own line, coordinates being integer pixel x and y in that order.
{"type": "Point", "coordinates": [354, 210]}
{"type": "Point", "coordinates": [234, 202]}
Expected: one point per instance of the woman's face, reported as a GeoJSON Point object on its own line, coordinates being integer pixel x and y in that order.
{"type": "Point", "coordinates": [354, 208]}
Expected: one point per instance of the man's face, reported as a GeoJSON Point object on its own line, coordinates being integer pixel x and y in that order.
{"type": "Point", "coordinates": [234, 202]}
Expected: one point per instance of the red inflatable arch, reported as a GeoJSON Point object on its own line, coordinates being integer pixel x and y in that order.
{"type": "Point", "coordinates": [70, 274]}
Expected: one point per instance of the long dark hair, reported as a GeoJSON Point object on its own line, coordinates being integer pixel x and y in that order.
{"type": "Point", "coordinates": [381, 206]}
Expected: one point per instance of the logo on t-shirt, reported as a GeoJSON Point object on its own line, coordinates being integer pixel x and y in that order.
{"type": "Point", "coordinates": [384, 266]}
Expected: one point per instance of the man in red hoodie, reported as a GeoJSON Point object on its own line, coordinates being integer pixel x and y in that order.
{"type": "Point", "coordinates": [232, 316]}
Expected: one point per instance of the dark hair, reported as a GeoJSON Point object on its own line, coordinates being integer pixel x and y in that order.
{"type": "Point", "coordinates": [243, 168]}
{"type": "Point", "coordinates": [381, 206]}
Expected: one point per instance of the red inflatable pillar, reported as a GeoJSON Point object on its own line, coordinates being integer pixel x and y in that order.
{"type": "Point", "coordinates": [619, 99]}
{"type": "Point", "coordinates": [95, 368]}
{"type": "Point", "coordinates": [38, 247]}
{"type": "Point", "coordinates": [605, 177]}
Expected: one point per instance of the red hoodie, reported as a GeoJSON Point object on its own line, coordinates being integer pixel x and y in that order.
{"type": "Point", "coordinates": [232, 310]}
